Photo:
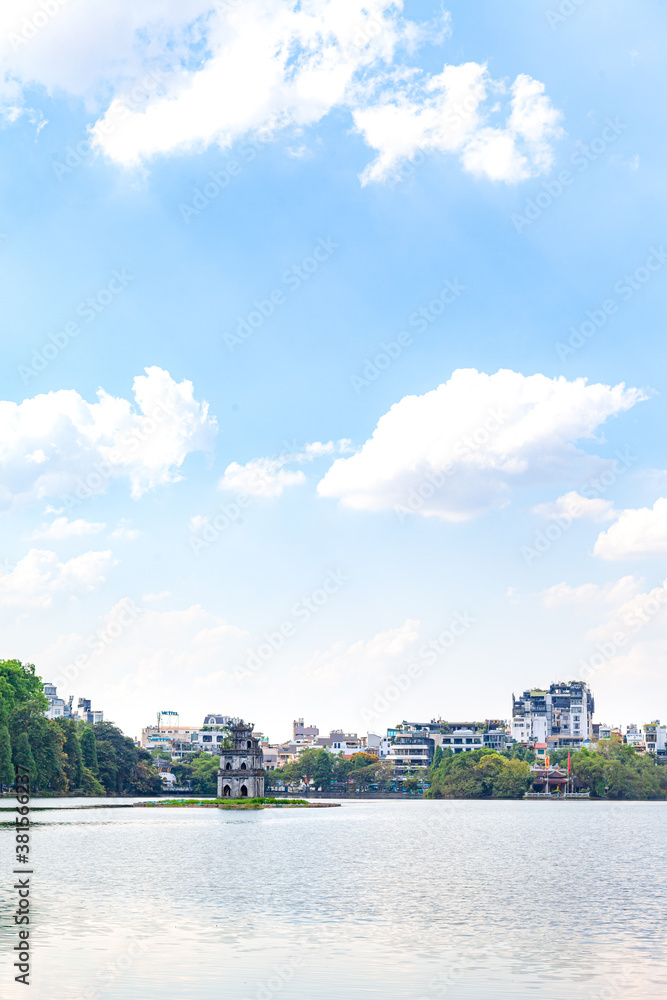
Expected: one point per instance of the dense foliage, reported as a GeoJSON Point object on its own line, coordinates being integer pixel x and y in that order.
{"type": "Point", "coordinates": [478, 774]}
{"type": "Point", "coordinates": [616, 771]}
{"type": "Point", "coordinates": [65, 757]}
{"type": "Point", "coordinates": [328, 771]}
{"type": "Point", "coordinates": [200, 770]}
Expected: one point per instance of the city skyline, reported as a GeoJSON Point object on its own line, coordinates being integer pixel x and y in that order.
{"type": "Point", "coordinates": [359, 372]}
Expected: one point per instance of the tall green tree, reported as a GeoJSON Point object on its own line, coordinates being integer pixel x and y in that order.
{"type": "Point", "coordinates": [23, 758]}
{"type": "Point", "coordinates": [323, 769]}
{"type": "Point", "coordinates": [73, 763]}
{"type": "Point", "coordinates": [89, 749]}
{"type": "Point", "coordinates": [6, 766]}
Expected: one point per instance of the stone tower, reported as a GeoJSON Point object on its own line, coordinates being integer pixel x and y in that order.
{"type": "Point", "coordinates": [241, 772]}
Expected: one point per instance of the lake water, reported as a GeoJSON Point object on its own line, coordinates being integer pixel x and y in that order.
{"type": "Point", "coordinates": [388, 899]}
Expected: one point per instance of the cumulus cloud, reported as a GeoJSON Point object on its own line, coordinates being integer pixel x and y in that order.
{"type": "Point", "coordinates": [268, 477]}
{"type": "Point", "coordinates": [451, 113]}
{"type": "Point", "coordinates": [625, 640]}
{"type": "Point", "coordinates": [361, 662]}
{"type": "Point", "coordinates": [637, 532]}
{"type": "Point", "coordinates": [261, 477]}
{"type": "Point", "coordinates": [182, 76]}
{"type": "Point", "coordinates": [61, 528]}
{"type": "Point", "coordinates": [462, 448]}
{"type": "Point", "coordinates": [575, 506]}
{"type": "Point", "coordinates": [138, 660]}
{"type": "Point", "coordinates": [58, 444]}
{"type": "Point", "coordinates": [588, 595]}
{"type": "Point", "coordinates": [124, 532]}
{"type": "Point", "coordinates": [40, 578]}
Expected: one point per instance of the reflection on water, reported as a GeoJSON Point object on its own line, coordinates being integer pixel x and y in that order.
{"type": "Point", "coordinates": [388, 899]}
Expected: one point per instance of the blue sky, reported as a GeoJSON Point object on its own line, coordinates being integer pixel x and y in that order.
{"type": "Point", "coordinates": [364, 158]}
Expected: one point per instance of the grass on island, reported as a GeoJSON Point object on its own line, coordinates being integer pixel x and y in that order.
{"type": "Point", "coordinates": [230, 803]}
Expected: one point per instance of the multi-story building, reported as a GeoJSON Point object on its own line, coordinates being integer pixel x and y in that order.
{"type": "Point", "coordinates": [61, 709]}
{"type": "Point", "coordinates": [634, 737]}
{"type": "Point", "coordinates": [56, 709]}
{"type": "Point", "coordinates": [339, 741]}
{"type": "Point", "coordinates": [410, 752]}
{"type": "Point", "coordinates": [378, 745]}
{"type": "Point", "coordinates": [301, 732]}
{"type": "Point", "coordinates": [655, 737]}
{"type": "Point", "coordinates": [87, 713]}
{"type": "Point", "coordinates": [560, 716]}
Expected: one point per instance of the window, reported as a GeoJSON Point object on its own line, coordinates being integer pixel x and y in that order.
{"type": "Point", "coordinates": [207, 739]}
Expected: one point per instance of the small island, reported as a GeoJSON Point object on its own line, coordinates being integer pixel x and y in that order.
{"type": "Point", "coordinates": [240, 803]}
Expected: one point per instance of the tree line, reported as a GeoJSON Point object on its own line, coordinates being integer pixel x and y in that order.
{"type": "Point", "coordinates": [63, 756]}
{"type": "Point", "coordinates": [614, 770]}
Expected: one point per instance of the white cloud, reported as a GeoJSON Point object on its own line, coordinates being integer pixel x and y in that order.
{"type": "Point", "coordinates": [40, 577]}
{"type": "Point", "coordinates": [362, 662]}
{"type": "Point", "coordinates": [140, 661]}
{"type": "Point", "coordinates": [61, 528]}
{"type": "Point", "coordinates": [268, 477]}
{"type": "Point", "coordinates": [74, 447]}
{"type": "Point", "coordinates": [462, 448]}
{"type": "Point", "coordinates": [124, 532]}
{"type": "Point", "coordinates": [222, 69]}
{"type": "Point", "coordinates": [575, 506]}
{"type": "Point", "coordinates": [640, 532]}
{"type": "Point", "coordinates": [151, 598]}
{"type": "Point", "coordinates": [592, 594]}
{"type": "Point", "coordinates": [625, 642]}
{"type": "Point", "coordinates": [261, 477]}
{"type": "Point", "coordinates": [450, 113]}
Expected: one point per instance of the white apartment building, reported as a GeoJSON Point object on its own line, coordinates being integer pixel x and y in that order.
{"type": "Point", "coordinates": [56, 709]}
{"type": "Point", "coordinates": [563, 713]}
{"type": "Point", "coordinates": [655, 737]}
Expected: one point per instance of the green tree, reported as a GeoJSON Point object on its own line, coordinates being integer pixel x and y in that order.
{"type": "Point", "coordinates": [45, 739]}
{"type": "Point", "coordinates": [18, 685]}
{"type": "Point", "coordinates": [340, 773]}
{"type": "Point", "coordinates": [89, 749]}
{"type": "Point", "coordinates": [107, 767]}
{"type": "Point", "coordinates": [90, 784]}
{"type": "Point", "coordinates": [73, 763]}
{"type": "Point", "coordinates": [323, 769]}
{"type": "Point", "coordinates": [22, 756]}
{"type": "Point", "coordinates": [6, 766]}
